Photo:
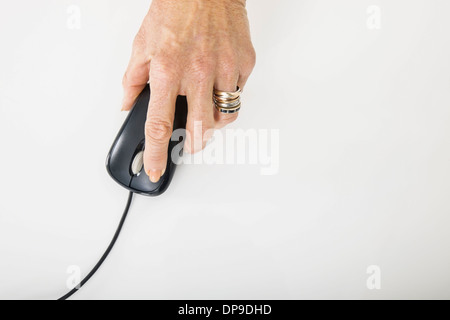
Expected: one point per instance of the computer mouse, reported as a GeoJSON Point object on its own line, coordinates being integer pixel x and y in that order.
{"type": "Point", "coordinates": [125, 159]}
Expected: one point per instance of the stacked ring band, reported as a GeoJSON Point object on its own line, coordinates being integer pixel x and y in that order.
{"type": "Point", "coordinates": [227, 102]}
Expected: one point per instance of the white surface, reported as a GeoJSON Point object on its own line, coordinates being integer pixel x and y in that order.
{"type": "Point", "coordinates": [364, 159]}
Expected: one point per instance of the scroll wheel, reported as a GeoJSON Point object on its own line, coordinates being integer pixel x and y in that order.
{"type": "Point", "coordinates": [138, 163]}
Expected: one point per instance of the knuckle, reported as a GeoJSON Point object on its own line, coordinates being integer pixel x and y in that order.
{"type": "Point", "coordinates": [249, 61]}
{"type": "Point", "coordinates": [153, 157]}
{"type": "Point", "coordinates": [202, 69]}
{"type": "Point", "coordinates": [125, 80]}
{"type": "Point", "coordinates": [134, 77]}
{"type": "Point", "coordinates": [129, 80]}
{"type": "Point", "coordinates": [158, 130]}
{"type": "Point", "coordinates": [228, 64]}
{"type": "Point", "coordinates": [163, 72]}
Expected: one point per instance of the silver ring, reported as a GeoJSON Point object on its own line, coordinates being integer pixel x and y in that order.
{"type": "Point", "coordinates": [231, 104]}
{"type": "Point", "coordinates": [229, 110]}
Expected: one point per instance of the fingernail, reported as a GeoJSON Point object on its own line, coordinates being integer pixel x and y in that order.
{"type": "Point", "coordinates": [164, 171]}
{"type": "Point", "coordinates": [154, 175]}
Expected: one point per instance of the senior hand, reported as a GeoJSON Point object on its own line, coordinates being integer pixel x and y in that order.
{"type": "Point", "coordinates": [187, 47]}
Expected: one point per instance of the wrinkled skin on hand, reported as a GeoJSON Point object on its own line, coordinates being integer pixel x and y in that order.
{"type": "Point", "coordinates": [187, 47]}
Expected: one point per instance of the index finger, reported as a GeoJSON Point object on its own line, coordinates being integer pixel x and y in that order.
{"type": "Point", "coordinates": [159, 127]}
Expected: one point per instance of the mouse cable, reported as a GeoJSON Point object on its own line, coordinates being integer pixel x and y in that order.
{"type": "Point", "coordinates": [107, 252]}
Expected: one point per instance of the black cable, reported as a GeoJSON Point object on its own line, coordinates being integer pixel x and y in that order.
{"type": "Point", "coordinates": [105, 255]}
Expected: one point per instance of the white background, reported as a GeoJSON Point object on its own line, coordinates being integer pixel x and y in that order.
{"type": "Point", "coordinates": [364, 173]}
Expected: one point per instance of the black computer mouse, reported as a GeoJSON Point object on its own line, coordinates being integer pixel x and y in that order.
{"type": "Point", "coordinates": [125, 159]}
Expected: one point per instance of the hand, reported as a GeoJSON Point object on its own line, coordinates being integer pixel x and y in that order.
{"type": "Point", "coordinates": [187, 47]}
